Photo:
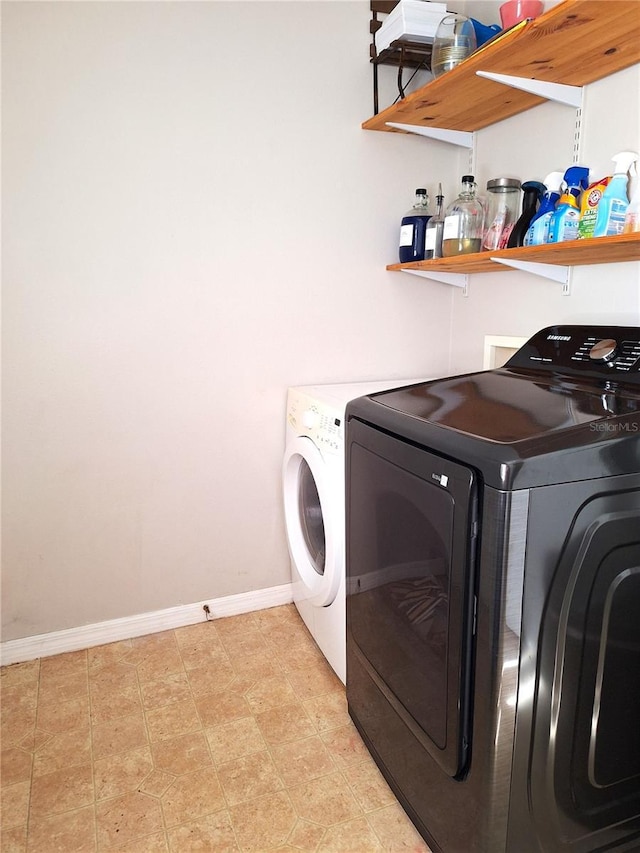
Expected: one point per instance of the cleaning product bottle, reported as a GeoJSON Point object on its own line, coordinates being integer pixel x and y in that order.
{"type": "Point", "coordinates": [412, 229]}
{"type": "Point", "coordinates": [533, 191]}
{"type": "Point", "coordinates": [538, 230]}
{"type": "Point", "coordinates": [433, 231]}
{"type": "Point", "coordinates": [632, 216]}
{"type": "Point", "coordinates": [615, 201]}
{"type": "Point", "coordinates": [591, 198]}
{"type": "Point", "coordinates": [463, 222]}
{"type": "Point", "coordinates": [563, 224]}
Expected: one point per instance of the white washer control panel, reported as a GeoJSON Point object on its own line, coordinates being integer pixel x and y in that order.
{"type": "Point", "coordinates": [321, 422]}
{"type": "Point", "coordinates": [317, 411]}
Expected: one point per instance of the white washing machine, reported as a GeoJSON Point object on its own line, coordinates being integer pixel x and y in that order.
{"type": "Point", "coordinates": [313, 486]}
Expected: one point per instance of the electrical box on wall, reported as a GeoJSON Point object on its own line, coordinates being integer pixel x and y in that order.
{"type": "Point", "coordinates": [498, 349]}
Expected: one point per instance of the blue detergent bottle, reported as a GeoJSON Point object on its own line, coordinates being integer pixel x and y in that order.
{"type": "Point", "coordinates": [412, 229]}
{"type": "Point", "coordinates": [538, 230]}
{"type": "Point", "coordinates": [563, 225]}
{"type": "Point", "coordinates": [612, 207]}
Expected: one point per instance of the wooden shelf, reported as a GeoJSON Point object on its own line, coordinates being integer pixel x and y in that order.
{"type": "Point", "coordinates": [574, 43]}
{"type": "Point", "coordinates": [598, 250]}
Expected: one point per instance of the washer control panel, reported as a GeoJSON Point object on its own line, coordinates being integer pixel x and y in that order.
{"type": "Point", "coordinates": [595, 351]}
{"type": "Point", "coordinates": [623, 355]}
{"type": "Point", "coordinates": [322, 423]}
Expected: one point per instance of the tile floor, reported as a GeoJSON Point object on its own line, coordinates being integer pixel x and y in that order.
{"type": "Point", "coordinates": [231, 734]}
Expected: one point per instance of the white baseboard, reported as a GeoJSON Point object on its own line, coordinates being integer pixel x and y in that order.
{"type": "Point", "coordinates": [72, 639]}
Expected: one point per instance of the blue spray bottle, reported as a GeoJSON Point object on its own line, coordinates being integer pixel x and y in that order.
{"type": "Point", "coordinates": [563, 225]}
{"type": "Point", "coordinates": [613, 205]}
{"type": "Point", "coordinates": [538, 230]}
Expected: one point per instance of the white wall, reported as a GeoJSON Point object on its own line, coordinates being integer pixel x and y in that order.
{"type": "Point", "coordinates": [193, 221]}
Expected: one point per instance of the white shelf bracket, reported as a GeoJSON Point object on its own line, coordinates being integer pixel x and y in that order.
{"type": "Point", "coordinates": [569, 95]}
{"type": "Point", "coordinates": [554, 272]}
{"type": "Point", "coordinates": [462, 138]}
{"type": "Point", "coordinates": [455, 279]}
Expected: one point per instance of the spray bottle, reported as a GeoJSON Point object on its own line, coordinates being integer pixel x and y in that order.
{"type": "Point", "coordinates": [563, 225]}
{"type": "Point", "coordinates": [615, 201]}
{"type": "Point", "coordinates": [533, 191]}
{"type": "Point", "coordinates": [539, 226]}
{"type": "Point", "coordinates": [632, 216]}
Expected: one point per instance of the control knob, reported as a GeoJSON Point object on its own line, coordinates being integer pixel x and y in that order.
{"type": "Point", "coordinates": [604, 350]}
{"type": "Point", "coordinates": [309, 419]}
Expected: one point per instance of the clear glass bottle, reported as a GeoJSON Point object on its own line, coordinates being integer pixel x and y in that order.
{"type": "Point", "coordinates": [463, 222]}
{"type": "Point", "coordinates": [503, 204]}
{"type": "Point", "coordinates": [433, 232]}
{"type": "Point", "coordinates": [411, 247]}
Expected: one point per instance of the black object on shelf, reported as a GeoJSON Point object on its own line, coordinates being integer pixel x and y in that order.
{"type": "Point", "coordinates": [533, 191]}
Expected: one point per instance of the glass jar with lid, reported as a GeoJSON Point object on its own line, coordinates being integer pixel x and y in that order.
{"type": "Point", "coordinates": [503, 206]}
{"type": "Point", "coordinates": [463, 222]}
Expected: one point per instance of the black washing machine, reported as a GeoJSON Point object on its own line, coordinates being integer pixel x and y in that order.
{"type": "Point", "coordinates": [493, 596]}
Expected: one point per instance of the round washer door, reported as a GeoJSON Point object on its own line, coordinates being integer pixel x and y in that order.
{"type": "Point", "coordinates": [313, 515]}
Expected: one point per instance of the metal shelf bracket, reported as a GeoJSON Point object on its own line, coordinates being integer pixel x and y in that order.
{"type": "Point", "coordinates": [561, 92]}
{"type": "Point", "coordinates": [554, 272]}
{"type": "Point", "coordinates": [455, 279]}
{"type": "Point", "coordinates": [462, 138]}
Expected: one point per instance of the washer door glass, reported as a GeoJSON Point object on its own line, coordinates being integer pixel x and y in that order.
{"type": "Point", "coordinates": [311, 522]}
{"type": "Point", "coordinates": [313, 490]}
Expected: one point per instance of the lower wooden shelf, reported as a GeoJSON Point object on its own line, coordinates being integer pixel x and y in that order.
{"type": "Point", "coordinates": [597, 250]}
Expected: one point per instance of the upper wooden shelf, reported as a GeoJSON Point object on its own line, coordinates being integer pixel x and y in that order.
{"type": "Point", "coordinates": [597, 250]}
{"type": "Point", "coordinates": [574, 43]}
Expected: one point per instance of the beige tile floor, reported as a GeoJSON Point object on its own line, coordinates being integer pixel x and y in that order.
{"type": "Point", "coordinates": [231, 734]}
